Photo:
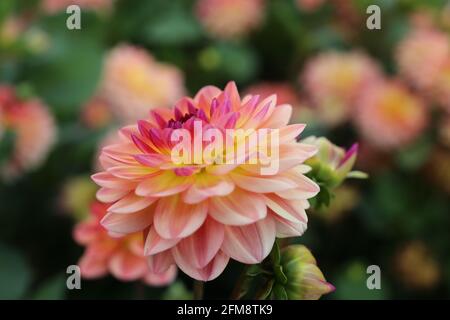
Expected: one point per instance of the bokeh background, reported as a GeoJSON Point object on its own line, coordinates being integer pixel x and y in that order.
{"type": "Point", "coordinates": [62, 93]}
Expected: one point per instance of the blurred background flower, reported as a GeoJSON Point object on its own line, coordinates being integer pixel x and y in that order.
{"type": "Point", "coordinates": [123, 257]}
{"type": "Point", "coordinates": [133, 83]}
{"type": "Point", "coordinates": [228, 19]}
{"type": "Point", "coordinates": [416, 267]}
{"type": "Point", "coordinates": [29, 126]}
{"type": "Point", "coordinates": [389, 116]}
{"type": "Point", "coordinates": [333, 81]}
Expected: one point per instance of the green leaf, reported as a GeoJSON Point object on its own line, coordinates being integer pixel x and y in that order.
{"type": "Point", "coordinates": [264, 293]}
{"type": "Point", "coordinates": [175, 27]}
{"type": "Point", "coordinates": [279, 274]}
{"type": "Point", "coordinates": [254, 270]}
{"type": "Point", "coordinates": [15, 274]}
{"type": "Point", "coordinates": [279, 292]}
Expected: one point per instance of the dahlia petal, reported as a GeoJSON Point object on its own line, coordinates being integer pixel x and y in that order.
{"type": "Point", "coordinates": [205, 187]}
{"type": "Point", "coordinates": [85, 232]}
{"type": "Point", "coordinates": [131, 172]}
{"type": "Point", "coordinates": [154, 243]}
{"type": "Point", "coordinates": [231, 91]}
{"type": "Point", "coordinates": [165, 114]}
{"type": "Point", "coordinates": [208, 92]}
{"type": "Point", "coordinates": [176, 219]}
{"type": "Point", "coordinates": [291, 210]}
{"type": "Point", "coordinates": [291, 132]}
{"type": "Point", "coordinates": [107, 180]}
{"type": "Point", "coordinates": [286, 228]}
{"type": "Point", "coordinates": [107, 195]}
{"type": "Point", "coordinates": [92, 267]}
{"type": "Point", "coordinates": [209, 272]}
{"type": "Point", "coordinates": [153, 160]}
{"type": "Point", "coordinates": [161, 279]}
{"type": "Point", "coordinates": [161, 262]}
{"type": "Point", "coordinates": [262, 184]}
{"type": "Point", "coordinates": [126, 132]}
{"type": "Point", "coordinates": [293, 154]}
{"type": "Point", "coordinates": [202, 246]}
{"type": "Point", "coordinates": [238, 208]}
{"type": "Point", "coordinates": [162, 123]}
{"type": "Point", "coordinates": [127, 223]}
{"type": "Point", "coordinates": [252, 243]}
{"type": "Point", "coordinates": [279, 118]}
{"type": "Point", "coordinates": [305, 185]}
{"type": "Point", "coordinates": [126, 266]}
{"type": "Point", "coordinates": [131, 203]}
{"type": "Point", "coordinates": [162, 184]}
{"type": "Point", "coordinates": [120, 153]}
{"type": "Point", "coordinates": [221, 169]}
{"type": "Point", "coordinates": [144, 147]}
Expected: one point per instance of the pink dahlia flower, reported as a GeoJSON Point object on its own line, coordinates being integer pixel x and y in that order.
{"type": "Point", "coordinates": [389, 116]}
{"type": "Point", "coordinates": [333, 81]}
{"type": "Point", "coordinates": [54, 6]}
{"type": "Point", "coordinates": [227, 19]}
{"type": "Point", "coordinates": [33, 128]}
{"type": "Point", "coordinates": [197, 216]}
{"type": "Point", "coordinates": [421, 56]}
{"type": "Point", "coordinates": [134, 82]}
{"type": "Point", "coordinates": [123, 257]}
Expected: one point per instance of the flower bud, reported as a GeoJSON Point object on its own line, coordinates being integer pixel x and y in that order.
{"type": "Point", "coordinates": [332, 164]}
{"type": "Point", "coordinates": [305, 281]}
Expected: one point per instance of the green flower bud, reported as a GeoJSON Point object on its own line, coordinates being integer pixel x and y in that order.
{"type": "Point", "coordinates": [305, 281]}
{"type": "Point", "coordinates": [332, 164]}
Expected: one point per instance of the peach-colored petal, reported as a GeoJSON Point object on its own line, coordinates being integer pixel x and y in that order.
{"type": "Point", "coordinates": [291, 210]}
{"type": "Point", "coordinates": [131, 172]}
{"type": "Point", "coordinates": [238, 208]}
{"type": "Point", "coordinates": [126, 266]}
{"type": "Point", "coordinates": [161, 279]}
{"type": "Point", "coordinates": [85, 232]}
{"type": "Point", "coordinates": [128, 223]}
{"type": "Point", "coordinates": [209, 272]}
{"type": "Point", "coordinates": [286, 228]}
{"type": "Point", "coordinates": [252, 243]}
{"type": "Point", "coordinates": [202, 246]}
{"type": "Point", "coordinates": [131, 203]}
{"type": "Point", "coordinates": [107, 195]}
{"type": "Point", "coordinates": [163, 184]}
{"type": "Point", "coordinates": [176, 219]}
{"type": "Point", "coordinates": [154, 243]}
{"type": "Point", "coordinates": [206, 187]}
{"type": "Point", "coordinates": [107, 180]}
{"type": "Point", "coordinates": [91, 267]}
{"type": "Point", "coordinates": [261, 184]}
{"type": "Point", "coordinates": [161, 262]}
{"type": "Point", "coordinates": [279, 118]}
{"type": "Point", "coordinates": [290, 132]}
